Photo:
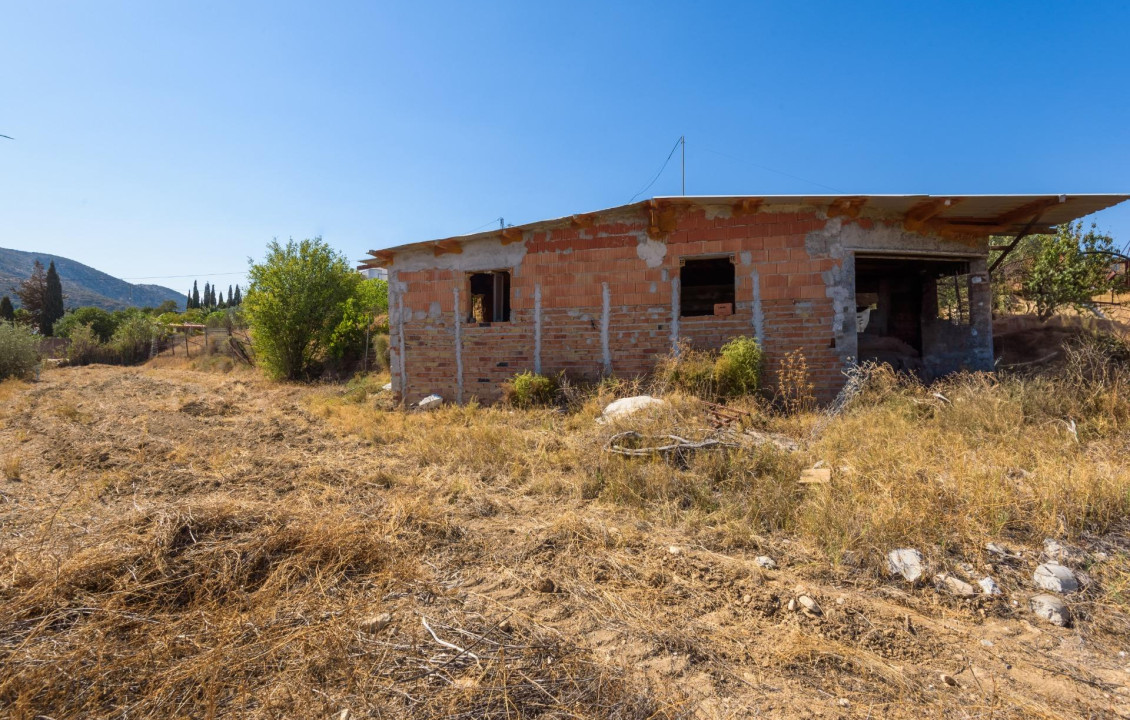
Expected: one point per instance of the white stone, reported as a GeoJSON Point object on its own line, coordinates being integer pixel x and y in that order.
{"type": "Point", "coordinates": [998, 550]}
{"type": "Point", "coordinates": [1057, 578]}
{"type": "Point", "coordinates": [629, 406]}
{"type": "Point", "coordinates": [953, 585]}
{"type": "Point", "coordinates": [1050, 608]}
{"type": "Point", "coordinates": [989, 586]}
{"type": "Point", "coordinates": [431, 401]}
{"type": "Point", "coordinates": [675, 550]}
{"type": "Point", "coordinates": [766, 562]}
{"type": "Point", "coordinates": [387, 387]}
{"type": "Point", "coordinates": [808, 606]}
{"type": "Point", "coordinates": [906, 562]}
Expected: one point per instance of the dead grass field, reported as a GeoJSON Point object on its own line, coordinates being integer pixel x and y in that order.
{"type": "Point", "coordinates": [177, 543]}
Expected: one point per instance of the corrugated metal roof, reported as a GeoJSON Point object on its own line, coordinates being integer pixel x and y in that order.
{"type": "Point", "coordinates": [968, 214]}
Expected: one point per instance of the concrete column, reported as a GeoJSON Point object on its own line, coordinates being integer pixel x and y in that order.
{"type": "Point", "coordinates": [675, 315]}
{"type": "Point", "coordinates": [458, 349]}
{"type": "Point", "coordinates": [605, 320]}
{"type": "Point", "coordinates": [537, 329]}
{"type": "Point", "coordinates": [758, 315]}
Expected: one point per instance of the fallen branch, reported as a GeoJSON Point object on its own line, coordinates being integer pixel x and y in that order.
{"type": "Point", "coordinates": [674, 444]}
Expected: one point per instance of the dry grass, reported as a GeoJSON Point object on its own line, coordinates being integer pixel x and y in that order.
{"type": "Point", "coordinates": [205, 544]}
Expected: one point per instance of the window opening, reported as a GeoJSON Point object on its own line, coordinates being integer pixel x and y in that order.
{"type": "Point", "coordinates": [489, 297]}
{"type": "Point", "coordinates": [953, 298]}
{"type": "Point", "coordinates": [706, 286]}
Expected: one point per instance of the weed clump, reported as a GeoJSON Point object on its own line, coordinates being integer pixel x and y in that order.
{"type": "Point", "coordinates": [733, 371]}
{"type": "Point", "coordinates": [19, 350]}
{"type": "Point", "coordinates": [528, 389]}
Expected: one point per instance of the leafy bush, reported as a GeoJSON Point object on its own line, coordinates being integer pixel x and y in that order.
{"type": "Point", "coordinates": [19, 350]}
{"type": "Point", "coordinates": [732, 372]}
{"type": "Point", "coordinates": [133, 339]}
{"type": "Point", "coordinates": [100, 321]}
{"type": "Point", "coordinates": [528, 389]}
{"type": "Point", "coordinates": [84, 347]}
{"type": "Point", "coordinates": [358, 318]}
{"type": "Point", "coordinates": [382, 352]}
{"type": "Point", "coordinates": [296, 301]}
{"type": "Point", "coordinates": [737, 371]}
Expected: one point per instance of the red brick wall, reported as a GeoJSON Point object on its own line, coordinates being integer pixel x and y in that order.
{"type": "Point", "coordinates": [571, 265]}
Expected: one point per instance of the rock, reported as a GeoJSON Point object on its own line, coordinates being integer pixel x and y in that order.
{"type": "Point", "coordinates": [808, 606]}
{"type": "Point", "coordinates": [792, 605]}
{"type": "Point", "coordinates": [1057, 578]}
{"type": "Point", "coordinates": [1050, 608]}
{"type": "Point", "coordinates": [387, 387]}
{"type": "Point", "coordinates": [629, 406]}
{"type": "Point", "coordinates": [843, 702]}
{"type": "Point", "coordinates": [999, 550]}
{"type": "Point", "coordinates": [546, 585]}
{"type": "Point", "coordinates": [953, 585]}
{"type": "Point", "coordinates": [675, 550]}
{"type": "Point", "coordinates": [376, 623]}
{"type": "Point", "coordinates": [430, 402]}
{"type": "Point", "coordinates": [989, 586]}
{"type": "Point", "coordinates": [948, 680]}
{"type": "Point", "coordinates": [906, 562]}
{"type": "Point", "coordinates": [764, 561]}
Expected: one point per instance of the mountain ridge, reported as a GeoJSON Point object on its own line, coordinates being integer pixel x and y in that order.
{"type": "Point", "coordinates": [82, 284]}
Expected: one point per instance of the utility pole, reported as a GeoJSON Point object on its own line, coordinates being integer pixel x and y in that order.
{"type": "Point", "coordinates": [683, 143]}
{"type": "Point", "coordinates": [501, 224]}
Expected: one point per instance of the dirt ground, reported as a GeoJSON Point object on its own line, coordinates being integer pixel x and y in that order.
{"type": "Point", "coordinates": [178, 543]}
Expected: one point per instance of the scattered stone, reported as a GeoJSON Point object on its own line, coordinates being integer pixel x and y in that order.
{"type": "Point", "coordinates": [766, 562]}
{"type": "Point", "coordinates": [989, 586]}
{"type": "Point", "coordinates": [1057, 578]}
{"type": "Point", "coordinates": [987, 643]}
{"type": "Point", "coordinates": [808, 606]}
{"type": "Point", "coordinates": [758, 438]}
{"type": "Point", "coordinates": [966, 569]}
{"type": "Point", "coordinates": [953, 585]}
{"type": "Point", "coordinates": [906, 562]}
{"type": "Point", "coordinates": [545, 585]}
{"type": "Point", "coordinates": [948, 680]}
{"type": "Point", "coordinates": [387, 387]}
{"type": "Point", "coordinates": [629, 406]}
{"type": "Point", "coordinates": [675, 550]}
{"type": "Point", "coordinates": [376, 623]}
{"type": "Point", "coordinates": [747, 599]}
{"type": "Point", "coordinates": [430, 402]}
{"type": "Point", "coordinates": [843, 702]}
{"type": "Point", "coordinates": [1051, 608]}
{"type": "Point", "coordinates": [792, 605]}
{"type": "Point", "coordinates": [999, 550]}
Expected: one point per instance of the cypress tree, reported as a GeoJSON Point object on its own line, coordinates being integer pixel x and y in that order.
{"type": "Point", "coordinates": [238, 296]}
{"type": "Point", "coordinates": [7, 312]}
{"type": "Point", "coordinates": [207, 295]}
{"type": "Point", "coordinates": [188, 301]}
{"type": "Point", "coordinates": [221, 304]}
{"type": "Point", "coordinates": [52, 302]}
{"type": "Point", "coordinates": [231, 298]}
{"type": "Point", "coordinates": [195, 295]}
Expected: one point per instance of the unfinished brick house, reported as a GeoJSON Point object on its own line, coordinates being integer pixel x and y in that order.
{"type": "Point", "coordinates": [897, 278]}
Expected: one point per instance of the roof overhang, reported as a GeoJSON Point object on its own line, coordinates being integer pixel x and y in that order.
{"type": "Point", "coordinates": [945, 215]}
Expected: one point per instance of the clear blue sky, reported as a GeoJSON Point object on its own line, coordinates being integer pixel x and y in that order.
{"type": "Point", "coordinates": [178, 138]}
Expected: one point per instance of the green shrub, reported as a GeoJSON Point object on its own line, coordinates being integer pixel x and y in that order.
{"type": "Point", "coordinates": [732, 372]}
{"type": "Point", "coordinates": [84, 347]}
{"type": "Point", "coordinates": [382, 352]}
{"type": "Point", "coordinates": [528, 389]}
{"type": "Point", "coordinates": [737, 371]}
{"type": "Point", "coordinates": [296, 301]}
{"type": "Point", "coordinates": [100, 321]}
{"type": "Point", "coordinates": [19, 350]}
{"type": "Point", "coordinates": [133, 339]}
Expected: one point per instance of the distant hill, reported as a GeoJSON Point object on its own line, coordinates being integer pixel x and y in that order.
{"type": "Point", "coordinates": [82, 284]}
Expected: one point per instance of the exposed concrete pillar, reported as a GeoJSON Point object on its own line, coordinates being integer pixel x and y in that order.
{"type": "Point", "coordinates": [605, 320]}
{"type": "Point", "coordinates": [458, 349]}
{"type": "Point", "coordinates": [675, 315]}
{"type": "Point", "coordinates": [537, 329]}
{"type": "Point", "coordinates": [758, 315]}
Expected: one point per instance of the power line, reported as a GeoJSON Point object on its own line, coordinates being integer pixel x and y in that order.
{"type": "Point", "coordinates": [661, 169]}
{"type": "Point", "coordinates": [488, 222]}
{"type": "Point", "coordinates": [773, 170]}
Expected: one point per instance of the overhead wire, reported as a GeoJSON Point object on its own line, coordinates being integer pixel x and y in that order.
{"type": "Point", "coordinates": [661, 169]}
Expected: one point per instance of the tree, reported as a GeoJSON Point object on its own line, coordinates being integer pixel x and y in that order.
{"type": "Point", "coordinates": [238, 296]}
{"type": "Point", "coordinates": [231, 298]}
{"type": "Point", "coordinates": [52, 301]}
{"type": "Point", "coordinates": [188, 301]}
{"type": "Point", "coordinates": [347, 344]}
{"type": "Point", "coordinates": [33, 293]}
{"type": "Point", "coordinates": [295, 301]}
{"type": "Point", "coordinates": [207, 295]}
{"type": "Point", "coordinates": [1066, 269]}
{"type": "Point", "coordinates": [195, 295]}
{"type": "Point", "coordinates": [101, 322]}
{"type": "Point", "coordinates": [7, 312]}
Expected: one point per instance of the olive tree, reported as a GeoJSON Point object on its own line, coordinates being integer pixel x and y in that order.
{"type": "Point", "coordinates": [296, 299]}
